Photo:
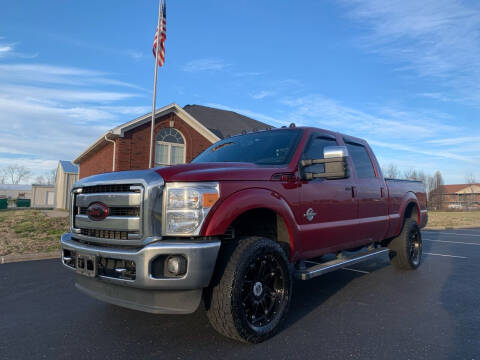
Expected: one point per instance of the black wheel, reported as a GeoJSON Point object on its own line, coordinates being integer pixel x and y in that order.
{"type": "Point", "coordinates": [406, 248]}
{"type": "Point", "coordinates": [252, 296]}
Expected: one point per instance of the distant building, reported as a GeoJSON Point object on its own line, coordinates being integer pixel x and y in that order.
{"type": "Point", "coordinates": [43, 196]}
{"type": "Point", "coordinates": [458, 196]}
{"type": "Point", "coordinates": [67, 175]}
{"type": "Point", "coordinates": [180, 134]}
{"type": "Point", "coordinates": [39, 195]}
{"type": "Point", "coordinates": [15, 191]}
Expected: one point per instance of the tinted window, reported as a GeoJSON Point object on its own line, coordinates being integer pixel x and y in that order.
{"type": "Point", "coordinates": [314, 150]}
{"type": "Point", "coordinates": [275, 147]}
{"type": "Point", "coordinates": [361, 160]}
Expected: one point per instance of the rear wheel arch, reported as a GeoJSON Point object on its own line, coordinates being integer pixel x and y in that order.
{"type": "Point", "coordinates": [412, 211]}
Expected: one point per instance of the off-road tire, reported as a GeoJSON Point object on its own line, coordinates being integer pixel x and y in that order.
{"type": "Point", "coordinates": [225, 299]}
{"type": "Point", "coordinates": [404, 254]}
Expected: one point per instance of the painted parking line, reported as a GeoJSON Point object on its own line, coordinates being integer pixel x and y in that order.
{"type": "Point", "coordinates": [452, 242]}
{"type": "Point", "coordinates": [453, 256]}
{"type": "Point", "coordinates": [360, 271]}
{"type": "Point", "coordinates": [445, 233]}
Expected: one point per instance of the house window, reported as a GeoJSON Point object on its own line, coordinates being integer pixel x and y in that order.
{"type": "Point", "coordinates": [169, 148]}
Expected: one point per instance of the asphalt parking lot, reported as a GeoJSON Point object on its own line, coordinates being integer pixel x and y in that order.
{"type": "Point", "coordinates": [369, 311]}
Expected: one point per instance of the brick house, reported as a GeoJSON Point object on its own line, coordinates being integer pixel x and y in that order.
{"type": "Point", "coordinates": [179, 135]}
{"type": "Point", "coordinates": [458, 196]}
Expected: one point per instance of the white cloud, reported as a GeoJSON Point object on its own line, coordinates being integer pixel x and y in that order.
{"type": "Point", "coordinates": [318, 110]}
{"type": "Point", "coordinates": [419, 150]}
{"type": "Point", "coordinates": [42, 73]}
{"type": "Point", "coordinates": [262, 94]}
{"type": "Point", "coordinates": [48, 113]}
{"type": "Point", "coordinates": [5, 50]}
{"type": "Point", "coordinates": [8, 50]}
{"type": "Point", "coordinates": [134, 54]}
{"type": "Point", "coordinates": [435, 38]}
{"type": "Point", "coordinates": [208, 64]}
{"type": "Point", "coordinates": [456, 140]}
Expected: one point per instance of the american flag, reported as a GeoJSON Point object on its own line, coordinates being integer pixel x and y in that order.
{"type": "Point", "coordinates": [163, 37]}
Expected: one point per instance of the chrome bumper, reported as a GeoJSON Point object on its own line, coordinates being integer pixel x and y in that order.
{"type": "Point", "coordinates": [201, 258]}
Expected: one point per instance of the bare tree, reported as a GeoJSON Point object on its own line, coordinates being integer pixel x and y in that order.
{"type": "Point", "coordinates": [435, 187]}
{"type": "Point", "coordinates": [40, 180]}
{"type": "Point", "coordinates": [470, 197]}
{"type": "Point", "coordinates": [51, 176]}
{"type": "Point", "coordinates": [391, 171]}
{"type": "Point", "coordinates": [14, 174]}
{"type": "Point", "coordinates": [410, 174]}
{"type": "Point", "coordinates": [48, 178]}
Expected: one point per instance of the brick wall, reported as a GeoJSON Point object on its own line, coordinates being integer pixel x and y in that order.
{"type": "Point", "coordinates": [99, 162]}
{"type": "Point", "coordinates": [132, 151]}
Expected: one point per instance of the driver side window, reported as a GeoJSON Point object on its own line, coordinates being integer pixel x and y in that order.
{"type": "Point", "coordinates": [314, 150]}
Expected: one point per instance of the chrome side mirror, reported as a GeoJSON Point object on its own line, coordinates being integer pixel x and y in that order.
{"type": "Point", "coordinates": [330, 152]}
{"type": "Point", "coordinates": [335, 163]}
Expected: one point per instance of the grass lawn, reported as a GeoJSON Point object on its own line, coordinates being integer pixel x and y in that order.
{"type": "Point", "coordinates": [453, 219]}
{"type": "Point", "coordinates": [30, 231]}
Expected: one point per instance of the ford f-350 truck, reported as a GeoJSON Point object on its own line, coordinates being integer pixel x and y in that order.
{"type": "Point", "coordinates": [238, 224]}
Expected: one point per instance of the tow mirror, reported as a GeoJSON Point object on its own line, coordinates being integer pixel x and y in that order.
{"type": "Point", "coordinates": [334, 161]}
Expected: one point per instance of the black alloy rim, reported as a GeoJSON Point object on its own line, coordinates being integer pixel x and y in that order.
{"type": "Point", "coordinates": [415, 247]}
{"type": "Point", "coordinates": [263, 290]}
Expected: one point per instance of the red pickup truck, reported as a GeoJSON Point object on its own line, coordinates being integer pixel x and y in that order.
{"type": "Point", "coordinates": [238, 224]}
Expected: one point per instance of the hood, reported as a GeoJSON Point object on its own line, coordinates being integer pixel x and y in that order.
{"type": "Point", "coordinates": [217, 172]}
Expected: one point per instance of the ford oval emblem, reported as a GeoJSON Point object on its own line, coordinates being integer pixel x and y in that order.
{"type": "Point", "coordinates": [97, 211]}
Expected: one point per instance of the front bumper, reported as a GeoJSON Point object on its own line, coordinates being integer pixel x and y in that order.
{"type": "Point", "coordinates": [146, 292]}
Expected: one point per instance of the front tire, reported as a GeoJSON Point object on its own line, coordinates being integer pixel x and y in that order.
{"type": "Point", "coordinates": [251, 299]}
{"type": "Point", "coordinates": [406, 248]}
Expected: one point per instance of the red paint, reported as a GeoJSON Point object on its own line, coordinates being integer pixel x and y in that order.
{"type": "Point", "coordinates": [350, 212]}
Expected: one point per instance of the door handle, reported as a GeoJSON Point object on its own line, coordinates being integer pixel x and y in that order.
{"type": "Point", "coordinates": [352, 189]}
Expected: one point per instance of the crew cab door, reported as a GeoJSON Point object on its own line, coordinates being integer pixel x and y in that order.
{"type": "Point", "coordinates": [327, 210]}
{"type": "Point", "coordinates": [370, 191]}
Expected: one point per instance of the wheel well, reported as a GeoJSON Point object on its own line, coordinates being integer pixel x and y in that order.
{"type": "Point", "coordinates": [411, 212]}
{"type": "Point", "coordinates": [262, 222]}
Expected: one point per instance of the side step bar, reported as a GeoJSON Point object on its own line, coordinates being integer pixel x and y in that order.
{"type": "Point", "coordinates": [320, 269]}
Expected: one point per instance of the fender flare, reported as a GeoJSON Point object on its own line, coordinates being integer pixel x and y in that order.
{"type": "Point", "coordinates": [409, 198]}
{"type": "Point", "coordinates": [244, 200]}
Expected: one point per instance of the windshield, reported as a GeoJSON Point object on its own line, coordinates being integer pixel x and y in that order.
{"type": "Point", "coordinates": [275, 147]}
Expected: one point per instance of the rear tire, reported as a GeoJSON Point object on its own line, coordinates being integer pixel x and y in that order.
{"type": "Point", "coordinates": [406, 248]}
{"type": "Point", "coordinates": [252, 295]}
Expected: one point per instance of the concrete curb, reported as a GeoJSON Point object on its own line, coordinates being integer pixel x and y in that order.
{"type": "Point", "coordinates": [29, 257]}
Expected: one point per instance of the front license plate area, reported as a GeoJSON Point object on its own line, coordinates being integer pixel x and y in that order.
{"type": "Point", "coordinates": [86, 265]}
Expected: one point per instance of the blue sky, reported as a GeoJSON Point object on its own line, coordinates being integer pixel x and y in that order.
{"type": "Point", "coordinates": [405, 75]}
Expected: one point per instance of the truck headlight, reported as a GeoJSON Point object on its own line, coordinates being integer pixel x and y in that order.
{"type": "Point", "coordinates": [187, 205]}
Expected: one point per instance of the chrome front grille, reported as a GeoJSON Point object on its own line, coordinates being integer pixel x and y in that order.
{"type": "Point", "coordinates": [107, 188]}
{"type": "Point", "coordinates": [105, 234]}
{"type": "Point", "coordinates": [122, 225]}
{"type": "Point", "coordinates": [117, 211]}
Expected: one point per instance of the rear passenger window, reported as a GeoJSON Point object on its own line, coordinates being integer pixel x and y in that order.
{"type": "Point", "coordinates": [361, 160]}
{"type": "Point", "coordinates": [314, 150]}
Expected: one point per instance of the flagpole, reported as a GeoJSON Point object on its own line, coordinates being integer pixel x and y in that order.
{"type": "Point", "coordinates": [159, 34]}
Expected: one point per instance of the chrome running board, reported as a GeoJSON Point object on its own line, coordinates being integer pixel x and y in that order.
{"type": "Point", "coordinates": [326, 267]}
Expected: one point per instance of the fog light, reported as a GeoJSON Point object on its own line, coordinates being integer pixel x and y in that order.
{"type": "Point", "coordinates": [176, 265]}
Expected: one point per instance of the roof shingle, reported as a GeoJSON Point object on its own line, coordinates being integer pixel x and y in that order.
{"type": "Point", "coordinates": [224, 123]}
{"type": "Point", "coordinates": [68, 167]}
